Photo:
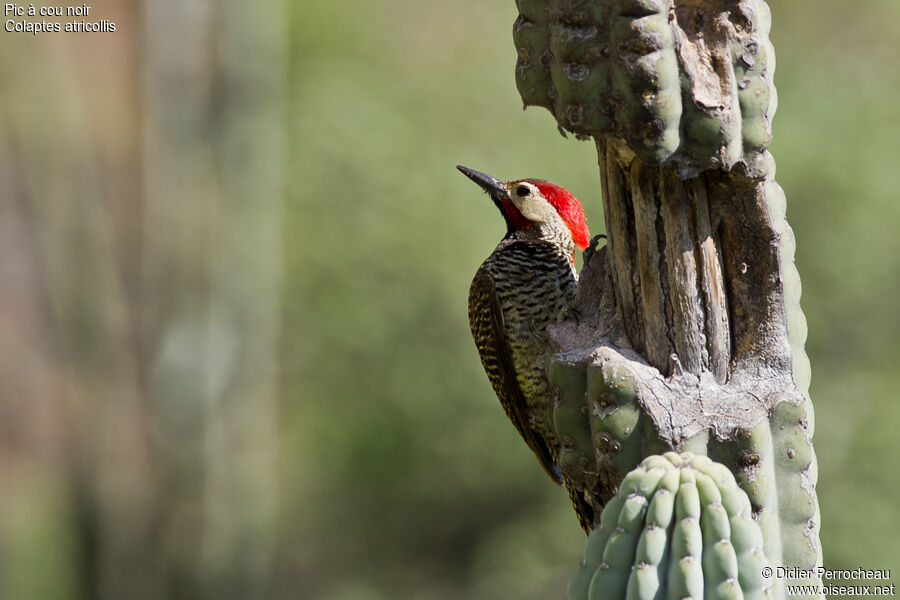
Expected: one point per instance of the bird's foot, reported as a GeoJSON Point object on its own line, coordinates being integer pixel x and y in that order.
{"type": "Point", "coordinates": [592, 247]}
{"type": "Point", "coordinates": [570, 312]}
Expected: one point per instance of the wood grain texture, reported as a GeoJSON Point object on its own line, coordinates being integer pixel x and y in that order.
{"type": "Point", "coordinates": [653, 271]}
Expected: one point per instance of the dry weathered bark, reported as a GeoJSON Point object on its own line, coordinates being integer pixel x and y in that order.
{"type": "Point", "coordinates": [690, 334]}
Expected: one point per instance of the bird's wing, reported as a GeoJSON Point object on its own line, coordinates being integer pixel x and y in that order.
{"type": "Point", "coordinates": [486, 321]}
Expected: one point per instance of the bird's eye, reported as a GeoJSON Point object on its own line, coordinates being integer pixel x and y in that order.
{"type": "Point", "coordinates": [523, 191]}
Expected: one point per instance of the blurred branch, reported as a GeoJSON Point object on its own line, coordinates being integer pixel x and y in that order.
{"type": "Point", "coordinates": [77, 327]}
{"type": "Point", "coordinates": [144, 388]}
{"type": "Point", "coordinates": [215, 77]}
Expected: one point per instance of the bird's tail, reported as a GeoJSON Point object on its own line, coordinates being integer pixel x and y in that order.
{"type": "Point", "coordinates": [583, 508]}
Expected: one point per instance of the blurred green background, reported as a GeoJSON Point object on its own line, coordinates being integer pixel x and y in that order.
{"type": "Point", "coordinates": [235, 257]}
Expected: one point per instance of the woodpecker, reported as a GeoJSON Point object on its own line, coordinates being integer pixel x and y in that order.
{"type": "Point", "coordinates": [522, 288]}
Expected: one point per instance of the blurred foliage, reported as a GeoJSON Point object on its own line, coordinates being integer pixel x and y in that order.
{"type": "Point", "coordinates": [398, 474]}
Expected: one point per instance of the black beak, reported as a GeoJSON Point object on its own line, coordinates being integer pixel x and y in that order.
{"type": "Point", "coordinates": [491, 185]}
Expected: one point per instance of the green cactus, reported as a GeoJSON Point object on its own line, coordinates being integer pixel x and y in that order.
{"type": "Point", "coordinates": [690, 335]}
{"type": "Point", "coordinates": [679, 527]}
{"type": "Point", "coordinates": [616, 68]}
{"type": "Point", "coordinates": [758, 426]}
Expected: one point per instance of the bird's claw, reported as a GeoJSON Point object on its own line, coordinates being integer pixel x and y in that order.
{"type": "Point", "coordinates": [570, 312]}
{"type": "Point", "coordinates": [592, 247]}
